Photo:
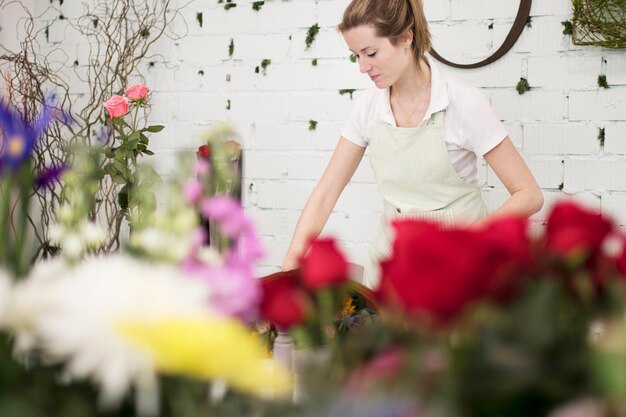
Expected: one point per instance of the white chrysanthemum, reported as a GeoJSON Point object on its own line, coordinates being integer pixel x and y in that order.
{"type": "Point", "coordinates": [72, 314]}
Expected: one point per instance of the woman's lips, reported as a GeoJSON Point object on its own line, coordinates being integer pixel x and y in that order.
{"type": "Point", "coordinates": [374, 77]}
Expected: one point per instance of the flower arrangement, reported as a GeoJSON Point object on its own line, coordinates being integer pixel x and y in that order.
{"type": "Point", "coordinates": [123, 329]}
{"type": "Point", "coordinates": [474, 322]}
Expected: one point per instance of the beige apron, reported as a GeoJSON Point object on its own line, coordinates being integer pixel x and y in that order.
{"type": "Point", "coordinates": [417, 180]}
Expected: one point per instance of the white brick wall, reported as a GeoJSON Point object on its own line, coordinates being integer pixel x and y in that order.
{"type": "Point", "coordinates": [555, 124]}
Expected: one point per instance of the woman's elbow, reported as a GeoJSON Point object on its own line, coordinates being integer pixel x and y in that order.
{"type": "Point", "coordinates": [535, 202]}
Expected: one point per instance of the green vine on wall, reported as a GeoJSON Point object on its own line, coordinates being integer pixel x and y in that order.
{"type": "Point", "coordinates": [522, 86]}
{"type": "Point", "coordinates": [256, 6]}
{"type": "Point", "coordinates": [348, 91]}
{"type": "Point", "coordinates": [311, 34]}
{"type": "Point", "coordinates": [602, 81]}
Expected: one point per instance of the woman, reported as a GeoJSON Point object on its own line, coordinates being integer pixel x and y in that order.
{"type": "Point", "coordinates": [425, 131]}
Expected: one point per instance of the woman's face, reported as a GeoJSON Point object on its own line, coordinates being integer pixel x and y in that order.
{"type": "Point", "coordinates": [378, 57]}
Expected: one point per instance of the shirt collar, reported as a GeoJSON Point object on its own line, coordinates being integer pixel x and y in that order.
{"type": "Point", "coordinates": [438, 95]}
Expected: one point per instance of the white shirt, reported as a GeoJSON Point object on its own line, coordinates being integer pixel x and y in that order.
{"type": "Point", "coordinates": [470, 125]}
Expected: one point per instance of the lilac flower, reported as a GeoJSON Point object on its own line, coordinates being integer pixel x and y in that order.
{"type": "Point", "coordinates": [234, 292]}
{"type": "Point", "coordinates": [19, 137]}
{"type": "Point", "coordinates": [228, 213]}
{"type": "Point", "coordinates": [192, 191]}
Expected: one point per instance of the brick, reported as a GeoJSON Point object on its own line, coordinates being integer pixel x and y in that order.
{"type": "Point", "coordinates": [494, 198]}
{"type": "Point", "coordinates": [204, 50]}
{"type": "Point", "coordinates": [532, 105]}
{"type": "Point", "coordinates": [483, 9]}
{"type": "Point", "coordinates": [550, 198]}
{"type": "Point", "coordinates": [445, 38]}
{"type": "Point", "coordinates": [505, 72]}
{"type": "Point", "coordinates": [615, 68]}
{"type": "Point", "coordinates": [283, 195]}
{"type": "Point", "coordinates": [307, 166]}
{"type": "Point", "coordinates": [558, 8]}
{"type": "Point", "coordinates": [304, 76]}
{"type": "Point", "coordinates": [260, 46]}
{"type": "Point", "coordinates": [615, 138]}
{"type": "Point", "coordinates": [327, 106]}
{"type": "Point", "coordinates": [545, 35]}
{"type": "Point", "coordinates": [270, 222]}
{"type": "Point", "coordinates": [553, 71]}
{"type": "Point", "coordinates": [436, 10]}
{"type": "Point", "coordinates": [330, 12]}
{"type": "Point", "coordinates": [263, 165]}
{"type": "Point", "coordinates": [600, 104]}
{"type": "Point", "coordinates": [352, 227]}
{"type": "Point", "coordinates": [547, 172]}
{"type": "Point", "coordinates": [561, 139]}
{"type": "Point", "coordinates": [598, 175]}
{"type": "Point", "coordinates": [328, 43]}
{"type": "Point", "coordinates": [614, 205]}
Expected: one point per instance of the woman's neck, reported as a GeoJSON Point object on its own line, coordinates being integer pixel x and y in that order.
{"type": "Point", "coordinates": [414, 83]}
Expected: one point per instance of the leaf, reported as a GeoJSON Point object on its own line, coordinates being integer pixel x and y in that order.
{"type": "Point", "coordinates": [147, 152]}
{"type": "Point", "coordinates": [143, 138]}
{"type": "Point", "coordinates": [122, 197]}
{"type": "Point", "coordinates": [155, 128]}
{"type": "Point", "coordinates": [135, 135]}
{"type": "Point", "coordinates": [118, 179]}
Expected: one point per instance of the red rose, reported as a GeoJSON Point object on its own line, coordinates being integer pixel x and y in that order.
{"type": "Point", "coordinates": [574, 231]}
{"type": "Point", "coordinates": [506, 257]}
{"type": "Point", "coordinates": [324, 265]}
{"type": "Point", "coordinates": [283, 302]}
{"type": "Point", "coordinates": [204, 151]}
{"type": "Point", "coordinates": [432, 272]}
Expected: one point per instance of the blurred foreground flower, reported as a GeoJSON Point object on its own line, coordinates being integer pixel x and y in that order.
{"type": "Point", "coordinates": [210, 348]}
{"type": "Point", "coordinates": [71, 315]}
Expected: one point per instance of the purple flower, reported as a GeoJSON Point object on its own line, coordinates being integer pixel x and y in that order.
{"type": "Point", "coordinates": [49, 175]}
{"type": "Point", "coordinates": [19, 137]}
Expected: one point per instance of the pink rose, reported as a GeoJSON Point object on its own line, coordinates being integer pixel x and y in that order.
{"type": "Point", "coordinates": [137, 91]}
{"type": "Point", "coordinates": [117, 106]}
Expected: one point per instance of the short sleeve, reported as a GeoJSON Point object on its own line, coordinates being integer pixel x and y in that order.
{"type": "Point", "coordinates": [355, 127]}
{"type": "Point", "coordinates": [482, 130]}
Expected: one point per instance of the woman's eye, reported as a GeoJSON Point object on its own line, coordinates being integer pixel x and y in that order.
{"type": "Point", "coordinates": [372, 54]}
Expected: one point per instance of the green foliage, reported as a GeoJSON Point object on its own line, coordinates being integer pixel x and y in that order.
{"type": "Point", "coordinates": [264, 64]}
{"type": "Point", "coordinates": [257, 5]}
{"type": "Point", "coordinates": [601, 136]}
{"type": "Point", "coordinates": [229, 6]}
{"type": "Point", "coordinates": [199, 18]}
{"type": "Point", "coordinates": [599, 23]}
{"type": "Point", "coordinates": [228, 104]}
{"type": "Point", "coordinates": [311, 34]}
{"type": "Point", "coordinates": [348, 91]}
{"type": "Point", "coordinates": [522, 86]}
{"type": "Point", "coordinates": [602, 81]}
{"type": "Point", "coordinates": [561, 186]}
{"type": "Point", "coordinates": [312, 125]}
{"type": "Point", "coordinates": [314, 62]}
{"type": "Point", "coordinates": [231, 48]}
{"type": "Point", "coordinates": [568, 28]}
{"type": "Point", "coordinates": [529, 22]}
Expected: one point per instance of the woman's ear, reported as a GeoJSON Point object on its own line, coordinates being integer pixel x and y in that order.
{"type": "Point", "coordinates": [407, 38]}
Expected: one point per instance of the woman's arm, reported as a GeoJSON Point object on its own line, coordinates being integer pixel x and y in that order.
{"type": "Point", "coordinates": [526, 196]}
{"type": "Point", "coordinates": [341, 167]}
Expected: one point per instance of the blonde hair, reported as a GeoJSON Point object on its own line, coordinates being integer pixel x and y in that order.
{"type": "Point", "coordinates": [392, 19]}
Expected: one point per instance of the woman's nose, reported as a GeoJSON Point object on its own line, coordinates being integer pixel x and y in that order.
{"type": "Point", "coordinates": [364, 66]}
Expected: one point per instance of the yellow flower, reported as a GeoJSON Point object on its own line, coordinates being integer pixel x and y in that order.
{"type": "Point", "coordinates": [210, 348]}
{"type": "Point", "coordinates": [348, 307]}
